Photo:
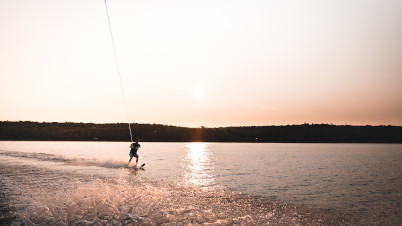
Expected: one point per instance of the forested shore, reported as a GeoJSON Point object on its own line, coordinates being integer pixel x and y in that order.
{"type": "Point", "coordinates": [304, 133]}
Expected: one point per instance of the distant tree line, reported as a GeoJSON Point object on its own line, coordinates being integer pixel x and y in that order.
{"type": "Point", "coordinates": [304, 133]}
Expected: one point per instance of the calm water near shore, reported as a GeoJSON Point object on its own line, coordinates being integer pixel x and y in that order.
{"type": "Point", "coordinates": [220, 183]}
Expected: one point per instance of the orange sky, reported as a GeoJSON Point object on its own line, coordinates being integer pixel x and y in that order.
{"type": "Point", "coordinates": [210, 63]}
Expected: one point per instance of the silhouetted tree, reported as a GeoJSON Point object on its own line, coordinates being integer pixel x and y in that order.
{"type": "Point", "coordinates": [317, 133]}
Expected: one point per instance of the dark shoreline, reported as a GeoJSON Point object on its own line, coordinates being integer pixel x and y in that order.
{"type": "Point", "coordinates": [212, 142]}
{"type": "Point", "coordinates": [304, 133]}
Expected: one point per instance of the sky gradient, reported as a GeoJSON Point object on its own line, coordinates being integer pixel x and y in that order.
{"type": "Point", "coordinates": [202, 63]}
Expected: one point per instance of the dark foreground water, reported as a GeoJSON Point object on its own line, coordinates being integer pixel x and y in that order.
{"type": "Point", "coordinates": [87, 183]}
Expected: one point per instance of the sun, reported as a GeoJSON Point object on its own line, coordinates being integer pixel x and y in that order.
{"type": "Point", "coordinates": [199, 93]}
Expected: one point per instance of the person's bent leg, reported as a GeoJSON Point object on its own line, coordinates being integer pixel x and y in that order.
{"type": "Point", "coordinates": [136, 161]}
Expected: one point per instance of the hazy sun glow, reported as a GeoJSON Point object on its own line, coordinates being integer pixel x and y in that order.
{"type": "Point", "coordinates": [199, 93]}
{"type": "Point", "coordinates": [210, 63]}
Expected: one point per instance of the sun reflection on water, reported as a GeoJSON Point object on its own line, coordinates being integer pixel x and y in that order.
{"type": "Point", "coordinates": [198, 168]}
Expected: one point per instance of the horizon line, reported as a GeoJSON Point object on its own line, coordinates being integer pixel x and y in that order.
{"type": "Point", "coordinates": [301, 124]}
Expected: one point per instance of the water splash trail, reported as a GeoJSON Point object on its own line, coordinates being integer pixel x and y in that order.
{"type": "Point", "coordinates": [114, 164]}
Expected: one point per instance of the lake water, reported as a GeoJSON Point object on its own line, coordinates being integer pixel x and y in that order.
{"type": "Point", "coordinates": [211, 183]}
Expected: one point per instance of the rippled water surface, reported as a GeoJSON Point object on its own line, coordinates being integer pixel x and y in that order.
{"type": "Point", "coordinates": [213, 183]}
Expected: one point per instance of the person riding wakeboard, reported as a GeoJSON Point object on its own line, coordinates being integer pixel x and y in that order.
{"type": "Point", "coordinates": [133, 151]}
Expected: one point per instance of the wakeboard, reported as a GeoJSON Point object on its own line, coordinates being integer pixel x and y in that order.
{"type": "Point", "coordinates": [137, 167]}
